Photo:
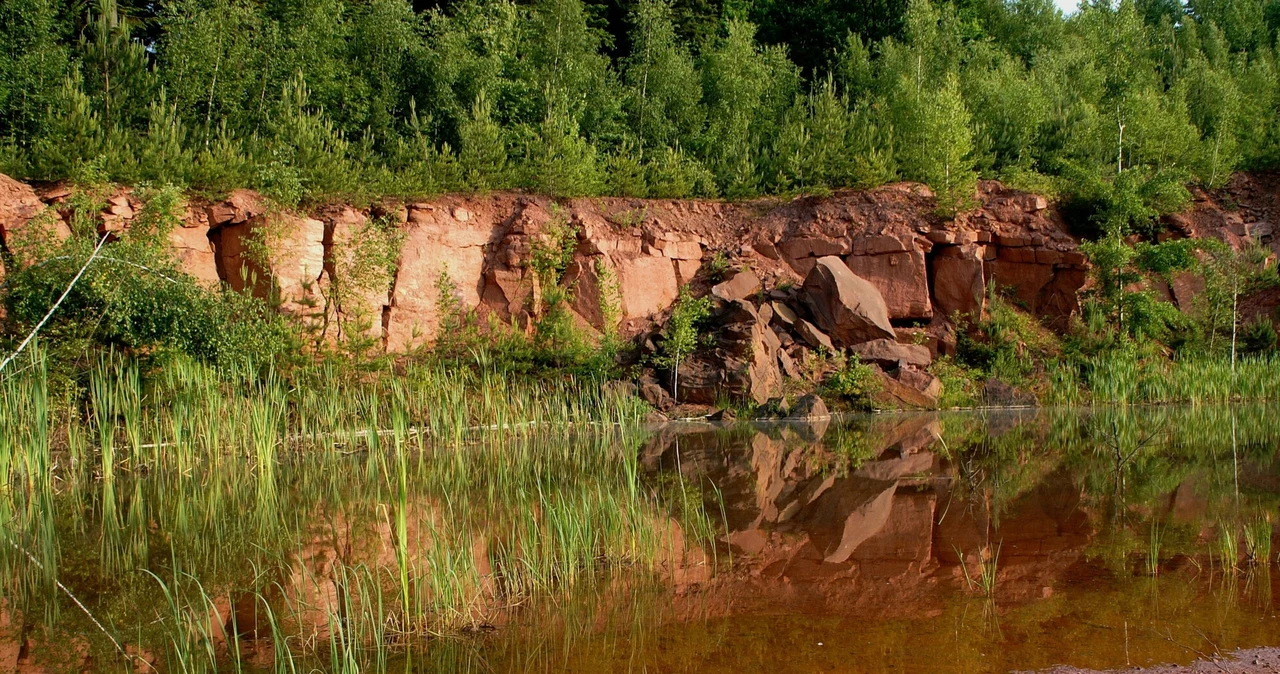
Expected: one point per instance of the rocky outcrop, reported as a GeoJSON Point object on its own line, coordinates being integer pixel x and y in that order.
{"type": "Point", "coordinates": [630, 255]}
{"type": "Point", "coordinates": [790, 278]}
{"type": "Point", "coordinates": [844, 305]}
{"type": "Point", "coordinates": [743, 364]}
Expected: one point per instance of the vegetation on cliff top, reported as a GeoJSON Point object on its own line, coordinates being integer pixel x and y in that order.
{"type": "Point", "coordinates": [1117, 105]}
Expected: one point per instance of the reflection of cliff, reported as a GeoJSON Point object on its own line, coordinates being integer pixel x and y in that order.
{"type": "Point", "coordinates": [811, 531]}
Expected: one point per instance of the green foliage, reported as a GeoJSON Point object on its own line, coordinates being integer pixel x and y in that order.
{"type": "Point", "coordinates": [551, 254]}
{"type": "Point", "coordinates": [1229, 274]}
{"type": "Point", "coordinates": [1118, 268]}
{"type": "Point", "coordinates": [681, 335]}
{"type": "Point", "coordinates": [134, 297]}
{"type": "Point", "coordinates": [1116, 107]}
{"type": "Point", "coordinates": [1258, 337]}
{"type": "Point", "coordinates": [852, 381]}
{"type": "Point", "coordinates": [1009, 344]}
{"type": "Point", "coordinates": [934, 140]}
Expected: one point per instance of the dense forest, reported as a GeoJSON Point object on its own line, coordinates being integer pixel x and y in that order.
{"type": "Point", "coordinates": [1116, 106]}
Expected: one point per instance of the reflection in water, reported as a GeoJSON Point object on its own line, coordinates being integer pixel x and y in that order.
{"type": "Point", "coordinates": [955, 542]}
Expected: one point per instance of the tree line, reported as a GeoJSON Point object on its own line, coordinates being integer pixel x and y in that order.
{"type": "Point", "coordinates": [1116, 107]}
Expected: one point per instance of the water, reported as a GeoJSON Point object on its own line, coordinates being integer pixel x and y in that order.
{"type": "Point", "coordinates": [955, 542]}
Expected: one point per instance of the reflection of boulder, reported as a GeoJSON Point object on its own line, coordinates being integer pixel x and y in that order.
{"type": "Point", "coordinates": [862, 508]}
{"type": "Point", "coordinates": [907, 536]}
{"type": "Point", "coordinates": [897, 468]}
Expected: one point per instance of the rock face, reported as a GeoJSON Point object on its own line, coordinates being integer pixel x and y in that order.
{"type": "Point", "coordinates": [897, 269]}
{"type": "Point", "coordinates": [18, 204]}
{"type": "Point", "coordinates": [847, 307]}
{"type": "Point", "coordinates": [807, 275]}
{"type": "Point", "coordinates": [959, 284]}
{"type": "Point", "coordinates": [890, 353]}
{"type": "Point", "coordinates": [279, 258]}
{"type": "Point", "coordinates": [744, 364]}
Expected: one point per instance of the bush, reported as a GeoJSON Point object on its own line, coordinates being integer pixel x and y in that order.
{"type": "Point", "coordinates": [1258, 337]}
{"type": "Point", "coordinates": [852, 381]}
{"type": "Point", "coordinates": [134, 297]}
{"type": "Point", "coordinates": [1009, 345]}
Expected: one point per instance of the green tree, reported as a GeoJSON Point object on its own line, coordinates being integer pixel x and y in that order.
{"type": "Point", "coordinates": [482, 149]}
{"type": "Point", "coordinates": [1229, 274]}
{"type": "Point", "coordinates": [559, 161]}
{"type": "Point", "coordinates": [34, 60]}
{"type": "Point", "coordinates": [663, 90]}
{"type": "Point", "coordinates": [681, 336]}
{"type": "Point", "coordinates": [934, 140]}
{"type": "Point", "coordinates": [747, 89]}
{"type": "Point", "coordinates": [114, 66]}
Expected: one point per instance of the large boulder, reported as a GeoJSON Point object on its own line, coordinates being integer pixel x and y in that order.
{"type": "Point", "coordinates": [909, 389]}
{"type": "Point", "coordinates": [814, 337]}
{"type": "Point", "coordinates": [847, 307]}
{"type": "Point", "coordinates": [744, 364]}
{"type": "Point", "coordinates": [742, 286]}
{"type": "Point", "coordinates": [996, 393]}
{"type": "Point", "coordinates": [809, 407]}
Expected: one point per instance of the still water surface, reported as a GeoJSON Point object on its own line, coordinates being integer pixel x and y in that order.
{"type": "Point", "coordinates": [953, 542]}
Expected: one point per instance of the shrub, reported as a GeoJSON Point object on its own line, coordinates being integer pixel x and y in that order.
{"type": "Point", "coordinates": [1258, 336]}
{"type": "Point", "coordinates": [852, 381]}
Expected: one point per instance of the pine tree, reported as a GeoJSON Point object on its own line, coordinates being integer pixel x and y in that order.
{"type": "Point", "coordinates": [560, 162]}
{"type": "Point", "coordinates": [936, 142]}
{"type": "Point", "coordinates": [33, 64]}
{"type": "Point", "coordinates": [163, 154]}
{"type": "Point", "coordinates": [561, 64]}
{"type": "Point", "coordinates": [115, 67]}
{"type": "Point", "coordinates": [72, 134]}
{"type": "Point", "coordinates": [305, 143]}
{"type": "Point", "coordinates": [482, 150]}
{"type": "Point", "coordinates": [747, 90]}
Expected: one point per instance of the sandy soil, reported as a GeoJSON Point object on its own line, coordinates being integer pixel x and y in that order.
{"type": "Point", "coordinates": [1253, 661]}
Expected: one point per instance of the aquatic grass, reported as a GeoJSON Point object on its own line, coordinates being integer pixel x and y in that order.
{"type": "Point", "coordinates": [1257, 540]}
{"type": "Point", "coordinates": [496, 489]}
{"type": "Point", "coordinates": [1155, 540]}
{"type": "Point", "coordinates": [1228, 548]}
{"type": "Point", "coordinates": [1115, 378]}
{"type": "Point", "coordinates": [984, 580]}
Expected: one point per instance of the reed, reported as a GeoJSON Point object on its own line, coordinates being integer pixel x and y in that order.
{"type": "Point", "coordinates": [1155, 541]}
{"type": "Point", "coordinates": [1257, 540]}
{"type": "Point", "coordinates": [1114, 378]}
{"type": "Point", "coordinates": [1228, 548]}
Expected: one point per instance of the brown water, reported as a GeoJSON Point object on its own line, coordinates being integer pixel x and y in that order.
{"type": "Point", "coordinates": [906, 543]}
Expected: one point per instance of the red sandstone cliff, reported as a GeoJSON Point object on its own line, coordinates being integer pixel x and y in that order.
{"type": "Point", "coordinates": [923, 267]}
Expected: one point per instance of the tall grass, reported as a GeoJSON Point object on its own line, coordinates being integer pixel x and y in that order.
{"type": "Point", "coordinates": [1120, 379]}
{"type": "Point", "coordinates": [409, 504]}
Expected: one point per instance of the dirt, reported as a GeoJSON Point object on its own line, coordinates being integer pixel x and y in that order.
{"type": "Point", "coordinates": [1256, 660]}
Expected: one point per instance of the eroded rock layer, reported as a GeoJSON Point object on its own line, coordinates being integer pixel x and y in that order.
{"type": "Point", "coordinates": [788, 277]}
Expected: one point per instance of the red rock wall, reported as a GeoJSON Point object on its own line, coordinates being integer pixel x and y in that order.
{"type": "Point", "coordinates": [924, 265]}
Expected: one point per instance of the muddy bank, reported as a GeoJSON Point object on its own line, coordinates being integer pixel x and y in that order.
{"type": "Point", "coordinates": [1252, 661]}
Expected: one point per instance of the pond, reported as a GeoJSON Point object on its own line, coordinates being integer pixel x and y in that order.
{"type": "Point", "coordinates": [931, 542]}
